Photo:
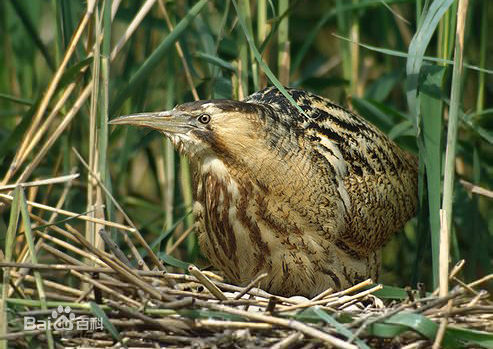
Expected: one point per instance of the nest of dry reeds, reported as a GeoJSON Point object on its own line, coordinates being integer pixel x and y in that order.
{"type": "Point", "coordinates": [108, 302]}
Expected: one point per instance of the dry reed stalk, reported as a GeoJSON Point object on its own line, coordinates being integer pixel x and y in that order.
{"type": "Point", "coordinates": [48, 181]}
{"type": "Point", "coordinates": [106, 289]}
{"type": "Point", "coordinates": [123, 270]}
{"type": "Point", "coordinates": [72, 214]}
{"type": "Point", "coordinates": [293, 324]}
{"type": "Point", "coordinates": [206, 282]}
{"type": "Point", "coordinates": [180, 240]}
{"type": "Point", "coordinates": [21, 154]}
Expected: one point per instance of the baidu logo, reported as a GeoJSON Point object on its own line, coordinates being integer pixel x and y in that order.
{"type": "Point", "coordinates": [62, 319]}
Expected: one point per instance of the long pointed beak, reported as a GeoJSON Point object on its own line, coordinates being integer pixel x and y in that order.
{"type": "Point", "coordinates": [166, 121]}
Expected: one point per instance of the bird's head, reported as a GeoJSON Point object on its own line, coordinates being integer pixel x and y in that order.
{"type": "Point", "coordinates": [199, 129]}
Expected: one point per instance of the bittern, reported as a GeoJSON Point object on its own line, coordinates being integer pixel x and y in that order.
{"type": "Point", "coordinates": [308, 198]}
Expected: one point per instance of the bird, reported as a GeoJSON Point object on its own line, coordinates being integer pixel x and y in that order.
{"type": "Point", "coordinates": [307, 192]}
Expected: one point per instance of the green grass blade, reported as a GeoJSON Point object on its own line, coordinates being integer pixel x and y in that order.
{"type": "Point", "coordinates": [339, 327]}
{"type": "Point", "coordinates": [157, 242]}
{"type": "Point", "coordinates": [15, 137]}
{"type": "Point", "coordinates": [244, 8]}
{"type": "Point", "coordinates": [14, 99]}
{"type": "Point", "coordinates": [168, 151]}
{"type": "Point", "coordinates": [378, 113]}
{"type": "Point", "coordinates": [264, 66]}
{"type": "Point", "coordinates": [486, 134]}
{"type": "Point", "coordinates": [401, 54]}
{"type": "Point", "coordinates": [311, 36]}
{"type": "Point", "coordinates": [465, 336]}
{"type": "Point", "coordinates": [9, 246]}
{"type": "Point", "coordinates": [53, 304]}
{"type": "Point", "coordinates": [482, 56]}
{"type": "Point", "coordinates": [404, 128]}
{"type": "Point", "coordinates": [71, 74]}
{"type": "Point", "coordinates": [99, 313]}
{"type": "Point", "coordinates": [33, 32]}
{"type": "Point", "coordinates": [217, 61]}
{"type": "Point", "coordinates": [454, 338]}
{"type": "Point", "coordinates": [391, 292]}
{"type": "Point", "coordinates": [156, 57]}
{"type": "Point", "coordinates": [175, 262]}
{"type": "Point", "coordinates": [431, 109]}
{"type": "Point", "coordinates": [209, 314]}
{"type": "Point", "coordinates": [283, 44]}
{"type": "Point", "coordinates": [416, 52]}
{"type": "Point", "coordinates": [37, 275]}
{"type": "Point", "coordinates": [454, 111]}
{"type": "Point", "coordinates": [103, 112]}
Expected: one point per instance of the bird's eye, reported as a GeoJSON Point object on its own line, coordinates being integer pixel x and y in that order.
{"type": "Point", "coordinates": [205, 118]}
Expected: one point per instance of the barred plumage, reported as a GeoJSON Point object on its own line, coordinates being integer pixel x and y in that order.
{"type": "Point", "coordinates": [309, 199]}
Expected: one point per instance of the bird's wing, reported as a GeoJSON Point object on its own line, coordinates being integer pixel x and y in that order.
{"type": "Point", "coordinates": [376, 180]}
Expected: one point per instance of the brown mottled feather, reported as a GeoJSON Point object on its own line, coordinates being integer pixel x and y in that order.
{"type": "Point", "coordinates": [309, 199]}
{"type": "Point", "coordinates": [317, 196]}
{"type": "Point", "coordinates": [379, 177]}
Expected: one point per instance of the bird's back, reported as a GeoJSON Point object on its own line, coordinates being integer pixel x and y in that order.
{"type": "Point", "coordinates": [376, 180]}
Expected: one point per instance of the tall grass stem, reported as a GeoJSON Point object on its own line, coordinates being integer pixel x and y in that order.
{"type": "Point", "coordinates": [449, 169]}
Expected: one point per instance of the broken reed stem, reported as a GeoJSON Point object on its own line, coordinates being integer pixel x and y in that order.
{"type": "Point", "coordinates": [106, 289]}
{"type": "Point", "coordinates": [333, 300]}
{"type": "Point", "coordinates": [134, 251]}
{"type": "Point", "coordinates": [71, 248]}
{"type": "Point", "coordinates": [457, 268]}
{"type": "Point", "coordinates": [24, 256]}
{"type": "Point", "coordinates": [51, 284]}
{"type": "Point", "coordinates": [443, 255]}
{"type": "Point", "coordinates": [179, 241]}
{"type": "Point", "coordinates": [48, 181]}
{"type": "Point", "coordinates": [204, 280]}
{"type": "Point", "coordinates": [251, 285]}
{"type": "Point", "coordinates": [132, 27]}
{"type": "Point", "coordinates": [122, 269]}
{"type": "Point", "coordinates": [146, 317]}
{"type": "Point", "coordinates": [480, 281]}
{"type": "Point", "coordinates": [68, 267]}
{"type": "Point", "coordinates": [356, 287]}
{"type": "Point", "coordinates": [289, 341]}
{"type": "Point", "coordinates": [113, 248]}
{"type": "Point", "coordinates": [93, 197]}
{"type": "Point", "coordinates": [288, 323]}
{"type": "Point", "coordinates": [124, 290]}
{"type": "Point", "coordinates": [73, 261]}
{"type": "Point", "coordinates": [475, 189]}
{"type": "Point", "coordinates": [437, 344]}
{"type": "Point", "coordinates": [8, 249]}
{"type": "Point", "coordinates": [72, 214]}
{"type": "Point", "coordinates": [327, 301]}
{"type": "Point", "coordinates": [449, 167]}
{"type": "Point", "coordinates": [323, 294]}
{"type": "Point", "coordinates": [32, 250]}
{"type": "Point", "coordinates": [133, 313]}
{"type": "Point", "coordinates": [212, 324]}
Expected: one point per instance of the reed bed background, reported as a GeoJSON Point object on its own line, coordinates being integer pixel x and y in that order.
{"type": "Point", "coordinates": [417, 69]}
